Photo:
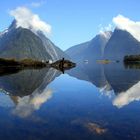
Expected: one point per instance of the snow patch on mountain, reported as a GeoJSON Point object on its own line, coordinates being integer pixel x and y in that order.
{"type": "Point", "coordinates": [106, 34]}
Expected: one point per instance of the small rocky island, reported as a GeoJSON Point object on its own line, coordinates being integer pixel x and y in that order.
{"type": "Point", "coordinates": [63, 65]}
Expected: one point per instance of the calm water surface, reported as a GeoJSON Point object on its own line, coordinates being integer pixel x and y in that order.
{"type": "Point", "coordinates": [91, 101]}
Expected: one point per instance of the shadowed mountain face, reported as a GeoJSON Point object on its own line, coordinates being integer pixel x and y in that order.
{"type": "Point", "coordinates": [26, 82]}
{"type": "Point", "coordinates": [121, 43]}
{"type": "Point", "coordinates": [20, 43]}
{"type": "Point", "coordinates": [107, 77]}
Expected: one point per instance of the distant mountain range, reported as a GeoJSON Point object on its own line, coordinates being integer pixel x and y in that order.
{"type": "Point", "coordinates": [20, 43]}
{"type": "Point", "coordinates": [106, 45]}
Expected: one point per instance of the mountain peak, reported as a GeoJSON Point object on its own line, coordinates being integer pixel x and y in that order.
{"type": "Point", "coordinates": [121, 43]}
{"type": "Point", "coordinates": [28, 20]}
{"type": "Point", "coordinates": [15, 25]}
{"type": "Point", "coordinates": [19, 43]}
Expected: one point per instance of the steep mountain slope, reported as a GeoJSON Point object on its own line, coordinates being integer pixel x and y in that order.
{"type": "Point", "coordinates": [120, 44]}
{"type": "Point", "coordinates": [91, 50]}
{"type": "Point", "coordinates": [21, 43]}
{"type": "Point", "coordinates": [55, 52]}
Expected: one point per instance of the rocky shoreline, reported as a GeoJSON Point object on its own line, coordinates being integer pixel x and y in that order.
{"type": "Point", "coordinates": [10, 64]}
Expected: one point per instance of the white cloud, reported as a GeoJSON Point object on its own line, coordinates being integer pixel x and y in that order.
{"type": "Point", "coordinates": [124, 98]}
{"type": "Point", "coordinates": [26, 19]}
{"type": "Point", "coordinates": [29, 104]}
{"type": "Point", "coordinates": [125, 23]}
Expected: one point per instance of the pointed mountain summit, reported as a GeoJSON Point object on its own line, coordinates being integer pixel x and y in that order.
{"type": "Point", "coordinates": [20, 43]}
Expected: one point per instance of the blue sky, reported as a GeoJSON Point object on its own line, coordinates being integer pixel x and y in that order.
{"type": "Point", "coordinates": [73, 21]}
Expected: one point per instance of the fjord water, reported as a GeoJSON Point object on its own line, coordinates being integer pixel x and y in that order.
{"type": "Point", "coordinates": [90, 101]}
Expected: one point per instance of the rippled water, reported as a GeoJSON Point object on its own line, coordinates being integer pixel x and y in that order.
{"type": "Point", "coordinates": [91, 101]}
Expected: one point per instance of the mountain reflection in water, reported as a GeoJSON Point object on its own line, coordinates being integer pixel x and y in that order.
{"type": "Point", "coordinates": [27, 88]}
{"type": "Point", "coordinates": [114, 78]}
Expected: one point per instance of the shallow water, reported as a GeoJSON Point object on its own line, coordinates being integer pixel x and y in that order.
{"type": "Point", "coordinates": [91, 101]}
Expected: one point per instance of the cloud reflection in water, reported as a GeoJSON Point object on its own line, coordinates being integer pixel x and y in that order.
{"type": "Point", "coordinates": [124, 98]}
{"type": "Point", "coordinates": [28, 104]}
